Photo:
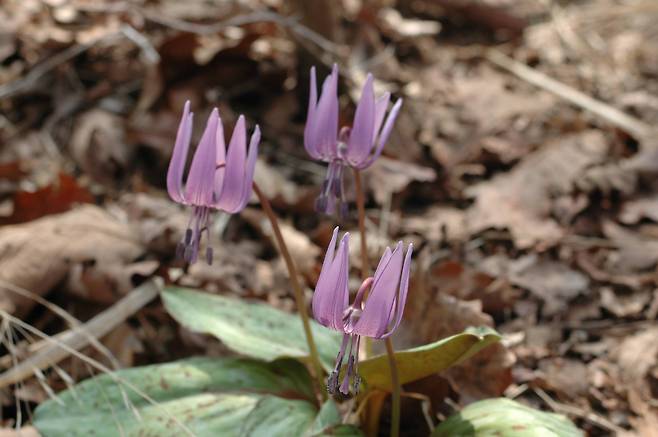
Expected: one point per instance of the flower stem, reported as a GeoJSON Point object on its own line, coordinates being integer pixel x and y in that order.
{"type": "Point", "coordinates": [365, 261]}
{"type": "Point", "coordinates": [395, 383]}
{"type": "Point", "coordinates": [297, 288]}
{"type": "Point", "coordinates": [361, 206]}
{"type": "Point", "coordinates": [365, 271]}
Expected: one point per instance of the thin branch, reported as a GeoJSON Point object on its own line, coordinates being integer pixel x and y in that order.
{"type": "Point", "coordinates": [632, 125]}
{"type": "Point", "coordinates": [241, 20]}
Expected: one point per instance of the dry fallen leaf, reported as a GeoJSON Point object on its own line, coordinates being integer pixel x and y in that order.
{"type": "Point", "coordinates": [387, 177]}
{"type": "Point", "coordinates": [57, 197]}
{"type": "Point", "coordinates": [432, 315]}
{"type": "Point", "coordinates": [38, 255]}
{"type": "Point", "coordinates": [636, 252]}
{"type": "Point", "coordinates": [635, 210]}
{"type": "Point", "coordinates": [437, 223]}
{"type": "Point", "coordinates": [637, 358]}
{"type": "Point", "coordinates": [302, 249]}
{"type": "Point", "coordinates": [520, 200]}
{"type": "Point", "coordinates": [99, 146]}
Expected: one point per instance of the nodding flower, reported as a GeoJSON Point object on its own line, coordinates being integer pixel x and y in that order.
{"type": "Point", "coordinates": [217, 179]}
{"type": "Point", "coordinates": [355, 147]}
{"type": "Point", "coordinates": [376, 316]}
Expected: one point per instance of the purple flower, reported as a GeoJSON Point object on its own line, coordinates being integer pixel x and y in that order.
{"type": "Point", "coordinates": [217, 179]}
{"type": "Point", "coordinates": [377, 316]}
{"type": "Point", "coordinates": [356, 147]}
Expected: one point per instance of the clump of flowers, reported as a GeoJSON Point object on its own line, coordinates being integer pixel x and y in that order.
{"type": "Point", "coordinates": [217, 179]}
{"type": "Point", "coordinates": [357, 146]}
{"type": "Point", "coordinates": [377, 316]}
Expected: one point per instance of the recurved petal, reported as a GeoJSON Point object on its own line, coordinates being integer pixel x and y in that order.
{"type": "Point", "coordinates": [324, 132]}
{"type": "Point", "coordinates": [200, 186]}
{"type": "Point", "coordinates": [361, 136]}
{"type": "Point", "coordinates": [380, 111]}
{"type": "Point", "coordinates": [179, 156]}
{"type": "Point", "coordinates": [376, 314]}
{"type": "Point", "coordinates": [384, 134]}
{"type": "Point", "coordinates": [331, 295]}
{"type": "Point", "coordinates": [250, 167]}
{"type": "Point", "coordinates": [220, 158]}
{"type": "Point", "coordinates": [402, 293]}
{"type": "Point", "coordinates": [310, 142]}
{"type": "Point", "coordinates": [230, 198]}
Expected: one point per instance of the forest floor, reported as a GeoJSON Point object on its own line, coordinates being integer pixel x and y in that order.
{"type": "Point", "coordinates": [523, 167]}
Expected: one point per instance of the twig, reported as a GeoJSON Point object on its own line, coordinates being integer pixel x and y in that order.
{"type": "Point", "coordinates": [297, 288]}
{"type": "Point", "coordinates": [41, 69]}
{"type": "Point", "coordinates": [241, 20]}
{"type": "Point", "coordinates": [578, 412]}
{"type": "Point", "coordinates": [79, 336]}
{"type": "Point", "coordinates": [620, 119]}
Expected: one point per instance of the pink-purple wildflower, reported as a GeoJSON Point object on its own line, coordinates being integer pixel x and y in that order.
{"type": "Point", "coordinates": [356, 147]}
{"type": "Point", "coordinates": [217, 179]}
{"type": "Point", "coordinates": [377, 316]}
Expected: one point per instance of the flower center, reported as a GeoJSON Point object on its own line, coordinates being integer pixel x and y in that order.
{"type": "Point", "coordinates": [188, 247]}
{"type": "Point", "coordinates": [332, 198]}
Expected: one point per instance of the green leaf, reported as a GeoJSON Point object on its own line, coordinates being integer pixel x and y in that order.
{"type": "Point", "coordinates": [249, 328]}
{"type": "Point", "coordinates": [277, 416]}
{"type": "Point", "coordinates": [501, 416]}
{"type": "Point", "coordinates": [199, 396]}
{"type": "Point", "coordinates": [327, 423]}
{"type": "Point", "coordinates": [422, 361]}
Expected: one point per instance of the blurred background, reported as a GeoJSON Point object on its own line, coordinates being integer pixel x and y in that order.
{"type": "Point", "coordinates": [523, 167]}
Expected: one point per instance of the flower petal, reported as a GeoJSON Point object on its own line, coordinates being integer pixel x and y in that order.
{"type": "Point", "coordinates": [324, 132]}
{"type": "Point", "coordinates": [199, 189]}
{"type": "Point", "coordinates": [375, 317]}
{"type": "Point", "coordinates": [331, 295]}
{"type": "Point", "coordinates": [401, 299]}
{"type": "Point", "coordinates": [179, 156]}
{"type": "Point", "coordinates": [249, 169]}
{"type": "Point", "coordinates": [361, 136]}
{"type": "Point", "coordinates": [230, 198]}
{"type": "Point", "coordinates": [310, 142]}
{"type": "Point", "coordinates": [380, 111]}
{"type": "Point", "coordinates": [384, 134]}
{"type": "Point", "coordinates": [220, 158]}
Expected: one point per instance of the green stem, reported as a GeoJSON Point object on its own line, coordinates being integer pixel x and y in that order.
{"type": "Point", "coordinates": [297, 289]}
{"type": "Point", "coordinates": [365, 261]}
{"type": "Point", "coordinates": [365, 270]}
{"type": "Point", "coordinates": [395, 395]}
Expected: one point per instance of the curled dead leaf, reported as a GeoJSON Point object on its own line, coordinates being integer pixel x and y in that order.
{"type": "Point", "coordinates": [40, 254]}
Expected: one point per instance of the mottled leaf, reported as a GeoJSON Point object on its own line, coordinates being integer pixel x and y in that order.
{"type": "Point", "coordinates": [505, 417]}
{"type": "Point", "coordinates": [249, 328]}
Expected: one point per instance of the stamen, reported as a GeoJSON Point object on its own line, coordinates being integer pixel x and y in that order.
{"type": "Point", "coordinates": [331, 198]}
{"type": "Point", "coordinates": [332, 381]}
{"type": "Point", "coordinates": [345, 386]}
{"type": "Point", "coordinates": [188, 248]}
